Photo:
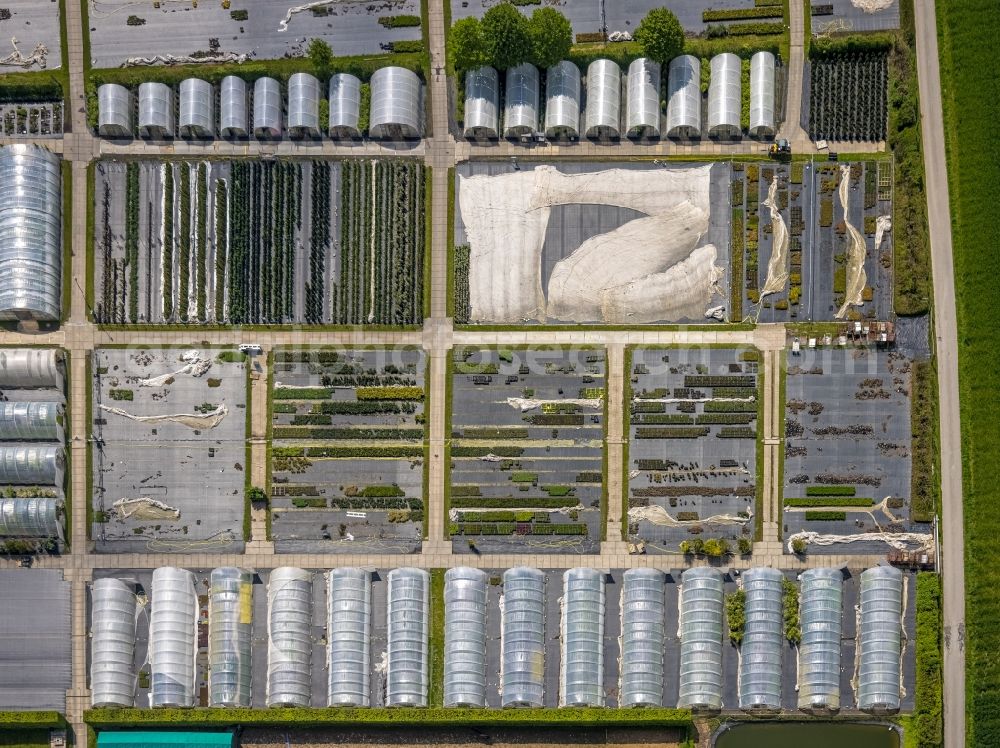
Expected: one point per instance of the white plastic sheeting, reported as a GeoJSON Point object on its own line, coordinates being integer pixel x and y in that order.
{"type": "Point", "coordinates": [763, 640]}
{"type": "Point", "coordinates": [30, 233]}
{"type": "Point", "coordinates": [684, 97]}
{"type": "Point", "coordinates": [562, 100]}
{"type": "Point", "coordinates": [820, 620]}
{"type": "Point", "coordinates": [396, 109]}
{"type": "Point", "coordinates": [465, 592]}
{"type": "Point", "coordinates": [156, 110]}
{"type": "Point", "coordinates": [30, 421]}
{"type": "Point", "coordinates": [482, 103]}
{"type": "Point", "coordinates": [701, 606]}
{"type": "Point", "coordinates": [303, 105]}
{"type": "Point", "coordinates": [522, 652]}
{"type": "Point", "coordinates": [234, 121]}
{"type": "Point", "coordinates": [880, 639]}
{"type": "Point", "coordinates": [520, 113]}
{"type": "Point", "coordinates": [173, 637]}
{"type": "Point", "coordinates": [267, 108]}
{"type": "Point", "coordinates": [581, 674]}
{"type": "Point", "coordinates": [348, 632]}
{"type": "Point", "coordinates": [642, 116]}
{"type": "Point", "coordinates": [604, 99]}
{"type": "Point", "coordinates": [762, 123]}
{"type": "Point", "coordinates": [30, 368]}
{"type": "Point", "coordinates": [230, 630]}
{"type": "Point", "coordinates": [643, 614]}
{"type": "Point", "coordinates": [408, 620]}
{"type": "Point", "coordinates": [725, 103]}
{"type": "Point", "coordinates": [114, 111]}
{"type": "Point", "coordinates": [112, 643]}
{"type": "Point", "coordinates": [345, 105]}
{"type": "Point", "coordinates": [30, 465]}
{"type": "Point", "coordinates": [197, 109]}
{"type": "Point", "coordinates": [29, 517]}
{"type": "Point", "coordinates": [289, 637]}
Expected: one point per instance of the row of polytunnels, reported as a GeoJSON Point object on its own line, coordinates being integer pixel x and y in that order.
{"type": "Point", "coordinates": [394, 109]}
{"type": "Point", "coordinates": [405, 664]}
{"type": "Point", "coordinates": [599, 100]}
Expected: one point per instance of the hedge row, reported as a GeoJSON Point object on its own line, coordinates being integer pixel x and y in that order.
{"type": "Point", "coordinates": [406, 451]}
{"type": "Point", "coordinates": [834, 501]}
{"type": "Point", "coordinates": [510, 502]}
{"type": "Point", "coordinates": [828, 516]}
{"type": "Point", "coordinates": [740, 14]}
{"type": "Point", "coordinates": [830, 491]}
{"type": "Point", "coordinates": [17, 720]}
{"type": "Point", "coordinates": [926, 723]}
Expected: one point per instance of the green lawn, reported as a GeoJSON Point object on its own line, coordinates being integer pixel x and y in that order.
{"type": "Point", "coordinates": [24, 738]}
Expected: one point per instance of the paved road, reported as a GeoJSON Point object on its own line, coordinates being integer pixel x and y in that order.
{"type": "Point", "coordinates": [946, 330]}
{"type": "Point", "coordinates": [791, 128]}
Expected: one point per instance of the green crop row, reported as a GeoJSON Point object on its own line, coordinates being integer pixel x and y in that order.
{"type": "Point", "coordinates": [830, 491]}
{"type": "Point", "coordinates": [741, 14]}
{"type": "Point", "coordinates": [832, 501]}
{"type": "Point", "coordinates": [306, 432]}
{"type": "Point", "coordinates": [390, 393]}
{"type": "Point", "coordinates": [303, 393]}
{"type": "Point", "coordinates": [510, 502]}
{"type": "Point", "coordinates": [826, 516]}
{"type": "Point", "coordinates": [401, 451]}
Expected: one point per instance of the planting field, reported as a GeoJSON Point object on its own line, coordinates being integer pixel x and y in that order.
{"type": "Point", "coordinates": [848, 96]}
{"type": "Point", "coordinates": [830, 16]}
{"type": "Point", "coordinates": [347, 462]}
{"type": "Point", "coordinates": [527, 450]}
{"type": "Point", "coordinates": [692, 447]}
{"type": "Point", "coordinates": [169, 460]}
{"type": "Point", "coordinates": [259, 242]}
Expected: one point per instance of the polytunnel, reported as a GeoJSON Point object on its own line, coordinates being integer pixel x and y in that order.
{"type": "Point", "coordinates": [725, 102]}
{"type": "Point", "coordinates": [465, 637]}
{"type": "Point", "coordinates": [31, 421]}
{"type": "Point", "coordinates": [233, 119]}
{"type": "Point", "coordinates": [482, 103]}
{"type": "Point", "coordinates": [821, 600]}
{"type": "Point", "coordinates": [562, 100]}
{"type": "Point", "coordinates": [267, 108]}
{"type": "Point", "coordinates": [642, 116]}
{"type": "Point", "coordinates": [701, 604]}
{"type": "Point", "coordinates": [684, 97]}
{"type": "Point", "coordinates": [112, 643]}
{"type": "Point", "coordinates": [230, 629]}
{"type": "Point", "coordinates": [522, 661]}
{"type": "Point", "coordinates": [345, 106]}
{"type": "Point", "coordinates": [31, 246]}
{"type": "Point", "coordinates": [156, 110]}
{"type": "Point", "coordinates": [880, 634]}
{"type": "Point", "coordinates": [31, 465]}
{"type": "Point", "coordinates": [197, 109]}
{"type": "Point", "coordinates": [520, 112]}
{"type": "Point", "coordinates": [763, 640]}
{"type": "Point", "coordinates": [29, 517]}
{"type": "Point", "coordinates": [581, 674]}
{"type": "Point", "coordinates": [289, 636]}
{"type": "Point", "coordinates": [643, 614]}
{"type": "Point", "coordinates": [31, 368]}
{"type": "Point", "coordinates": [762, 123]}
{"type": "Point", "coordinates": [303, 105]}
{"type": "Point", "coordinates": [396, 108]}
{"type": "Point", "coordinates": [173, 637]}
{"type": "Point", "coordinates": [348, 633]}
{"type": "Point", "coordinates": [408, 614]}
{"type": "Point", "coordinates": [114, 111]}
{"type": "Point", "coordinates": [602, 118]}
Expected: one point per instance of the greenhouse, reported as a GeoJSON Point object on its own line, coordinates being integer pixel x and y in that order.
{"type": "Point", "coordinates": [349, 634]}
{"type": "Point", "coordinates": [112, 643]}
{"type": "Point", "coordinates": [522, 665]}
{"type": "Point", "coordinates": [820, 609]}
{"type": "Point", "coordinates": [303, 105]}
{"type": "Point", "coordinates": [642, 115]}
{"type": "Point", "coordinates": [684, 97]}
{"type": "Point", "coordinates": [31, 465]}
{"type": "Point", "coordinates": [267, 108]}
{"type": "Point", "coordinates": [408, 618]}
{"type": "Point", "coordinates": [230, 630]}
{"type": "Point", "coordinates": [31, 368]}
{"type": "Point", "coordinates": [762, 120]}
{"type": "Point", "coordinates": [31, 246]}
{"type": "Point", "coordinates": [156, 110]}
{"type": "Point", "coordinates": [701, 605]}
{"type": "Point", "coordinates": [233, 119]}
{"type": "Point", "coordinates": [482, 103]}
{"type": "Point", "coordinates": [197, 109]}
{"type": "Point", "coordinates": [581, 672]}
{"type": "Point", "coordinates": [173, 638]}
{"type": "Point", "coordinates": [29, 517]}
{"type": "Point", "coordinates": [114, 111]}
{"type": "Point", "coordinates": [520, 113]}
{"type": "Point", "coordinates": [602, 118]}
{"type": "Point", "coordinates": [289, 636]}
{"type": "Point", "coordinates": [465, 592]}
{"type": "Point", "coordinates": [396, 109]}
{"type": "Point", "coordinates": [31, 421]}
{"type": "Point", "coordinates": [562, 101]}
{"type": "Point", "coordinates": [643, 611]}
{"type": "Point", "coordinates": [879, 639]}
{"type": "Point", "coordinates": [725, 103]}
{"type": "Point", "coordinates": [345, 106]}
{"type": "Point", "coordinates": [763, 640]}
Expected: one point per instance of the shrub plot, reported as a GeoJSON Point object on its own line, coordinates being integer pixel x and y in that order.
{"type": "Point", "coordinates": [848, 96]}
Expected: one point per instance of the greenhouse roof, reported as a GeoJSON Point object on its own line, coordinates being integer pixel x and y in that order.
{"type": "Point", "coordinates": [129, 739]}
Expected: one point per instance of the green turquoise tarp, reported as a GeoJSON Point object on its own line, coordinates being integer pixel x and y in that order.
{"type": "Point", "coordinates": [130, 739]}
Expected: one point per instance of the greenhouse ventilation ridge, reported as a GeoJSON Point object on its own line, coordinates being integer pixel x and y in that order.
{"type": "Point", "coordinates": [348, 631]}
